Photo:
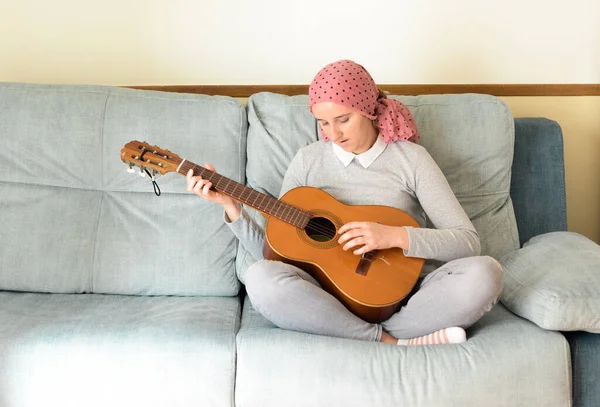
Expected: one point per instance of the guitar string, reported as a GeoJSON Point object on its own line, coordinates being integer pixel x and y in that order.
{"type": "Point", "coordinates": [323, 229]}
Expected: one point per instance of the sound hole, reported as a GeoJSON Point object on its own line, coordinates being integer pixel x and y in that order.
{"type": "Point", "coordinates": [320, 229]}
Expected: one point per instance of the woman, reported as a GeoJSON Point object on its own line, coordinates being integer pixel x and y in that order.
{"type": "Point", "coordinates": [369, 156]}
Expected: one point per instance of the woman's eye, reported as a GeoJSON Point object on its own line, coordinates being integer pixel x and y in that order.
{"type": "Point", "coordinates": [344, 120]}
{"type": "Point", "coordinates": [324, 124]}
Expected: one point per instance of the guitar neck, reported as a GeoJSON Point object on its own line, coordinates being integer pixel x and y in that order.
{"type": "Point", "coordinates": [248, 196]}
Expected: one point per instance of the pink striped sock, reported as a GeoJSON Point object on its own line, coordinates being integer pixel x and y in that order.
{"type": "Point", "coordinates": [443, 336]}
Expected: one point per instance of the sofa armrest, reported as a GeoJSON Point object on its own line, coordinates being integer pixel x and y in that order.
{"type": "Point", "coordinates": [538, 178]}
{"type": "Point", "coordinates": [585, 357]}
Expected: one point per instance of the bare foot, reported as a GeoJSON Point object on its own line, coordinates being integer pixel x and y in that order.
{"type": "Point", "coordinates": [387, 338]}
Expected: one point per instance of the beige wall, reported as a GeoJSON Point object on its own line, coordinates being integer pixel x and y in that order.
{"type": "Point", "coordinates": [273, 41]}
{"type": "Point", "coordinates": [137, 42]}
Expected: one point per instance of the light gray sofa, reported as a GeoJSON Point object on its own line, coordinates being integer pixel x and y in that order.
{"type": "Point", "coordinates": [112, 296]}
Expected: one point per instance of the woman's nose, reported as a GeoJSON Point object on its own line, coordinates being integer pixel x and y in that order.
{"type": "Point", "coordinates": [335, 133]}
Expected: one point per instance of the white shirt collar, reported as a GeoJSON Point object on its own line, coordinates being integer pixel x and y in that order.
{"type": "Point", "coordinates": [365, 159]}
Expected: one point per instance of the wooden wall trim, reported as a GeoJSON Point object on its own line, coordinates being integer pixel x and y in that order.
{"type": "Point", "coordinates": [491, 89]}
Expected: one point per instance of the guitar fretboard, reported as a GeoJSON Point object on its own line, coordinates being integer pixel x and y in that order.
{"type": "Point", "coordinates": [248, 196]}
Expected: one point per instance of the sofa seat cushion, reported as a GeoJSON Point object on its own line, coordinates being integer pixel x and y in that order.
{"type": "Point", "coordinates": [111, 350]}
{"type": "Point", "coordinates": [507, 361]}
{"type": "Point", "coordinates": [554, 281]}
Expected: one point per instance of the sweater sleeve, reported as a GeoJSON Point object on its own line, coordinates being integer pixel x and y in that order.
{"type": "Point", "coordinates": [250, 234]}
{"type": "Point", "coordinates": [453, 235]}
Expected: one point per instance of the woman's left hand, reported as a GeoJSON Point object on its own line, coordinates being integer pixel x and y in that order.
{"type": "Point", "coordinates": [371, 236]}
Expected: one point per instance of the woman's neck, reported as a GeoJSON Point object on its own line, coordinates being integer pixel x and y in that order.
{"type": "Point", "coordinates": [370, 142]}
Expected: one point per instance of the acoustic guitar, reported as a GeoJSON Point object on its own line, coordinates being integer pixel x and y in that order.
{"type": "Point", "coordinates": [302, 230]}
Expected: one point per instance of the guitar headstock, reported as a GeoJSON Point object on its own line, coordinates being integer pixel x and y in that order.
{"type": "Point", "coordinates": [146, 156]}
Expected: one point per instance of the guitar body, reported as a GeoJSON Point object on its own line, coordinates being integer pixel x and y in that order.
{"type": "Point", "coordinates": [372, 288]}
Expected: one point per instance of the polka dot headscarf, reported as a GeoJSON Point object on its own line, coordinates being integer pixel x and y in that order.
{"type": "Point", "coordinates": [347, 83]}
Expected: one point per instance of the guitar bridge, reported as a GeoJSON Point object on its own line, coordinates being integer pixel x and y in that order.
{"type": "Point", "coordinates": [365, 262]}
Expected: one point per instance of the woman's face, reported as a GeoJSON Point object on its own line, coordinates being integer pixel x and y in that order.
{"type": "Point", "coordinates": [345, 127]}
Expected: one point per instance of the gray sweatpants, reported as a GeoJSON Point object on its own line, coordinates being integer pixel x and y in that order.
{"type": "Point", "coordinates": [456, 294]}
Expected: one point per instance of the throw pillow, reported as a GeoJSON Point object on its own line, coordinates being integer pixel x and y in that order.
{"type": "Point", "coordinates": [554, 281]}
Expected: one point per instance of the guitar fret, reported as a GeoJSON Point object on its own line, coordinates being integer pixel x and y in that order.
{"type": "Point", "coordinates": [261, 204]}
{"type": "Point", "coordinates": [216, 184]}
{"type": "Point", "coordinates": [300, 220]}
{"type": "Point", "coordinates": [295, 217]}
{"type": "Point", "coordinates": [256, 196]}
{"type": "Point", "coordinates": [234, 188]}
{"type": "Point", "coordinates": [283, 208]}
{"type": "Point", "coordinates": [241, 194]}
{"type": "Point", "coordinates": [303, 221]}
{"type": "Point", "coordinates": [227, 186]}
{"type": "Point", "coordinates": [287, 214]}
{"type": "Point", "coordinates": [244, 193]}
{"type": "Point", "coordinates": [221, 180]}
{"type": "Point", "coordinates": [284, 212]}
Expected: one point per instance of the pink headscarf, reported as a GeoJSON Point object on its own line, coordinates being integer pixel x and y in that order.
{"type": "Point", "coordinates": [347, 83]}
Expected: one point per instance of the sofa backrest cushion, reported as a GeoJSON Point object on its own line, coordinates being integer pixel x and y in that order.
{"type": "Point", "coordinates": [73, 220]}
{"type": "Point", "coordinates": [470, 136]}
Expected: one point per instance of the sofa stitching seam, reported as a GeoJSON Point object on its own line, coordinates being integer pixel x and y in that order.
{"type": "Point", "coordinates": [568, 369]}
{"type": "Point", "coordinates": [238, 317]}
{"type": "Point", "coordinates": [512, 223]}
{"type": "Point", "coordinates": [102, 122]}
{"type": "Point", "coordinates": [242, 177]}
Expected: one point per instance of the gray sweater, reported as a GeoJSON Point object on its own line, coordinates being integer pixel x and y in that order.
{"type": "Point", "coordinates": [403, 176]}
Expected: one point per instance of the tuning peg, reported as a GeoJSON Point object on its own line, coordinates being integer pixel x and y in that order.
{"type": "Point", "coordinates": [130, 169]}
